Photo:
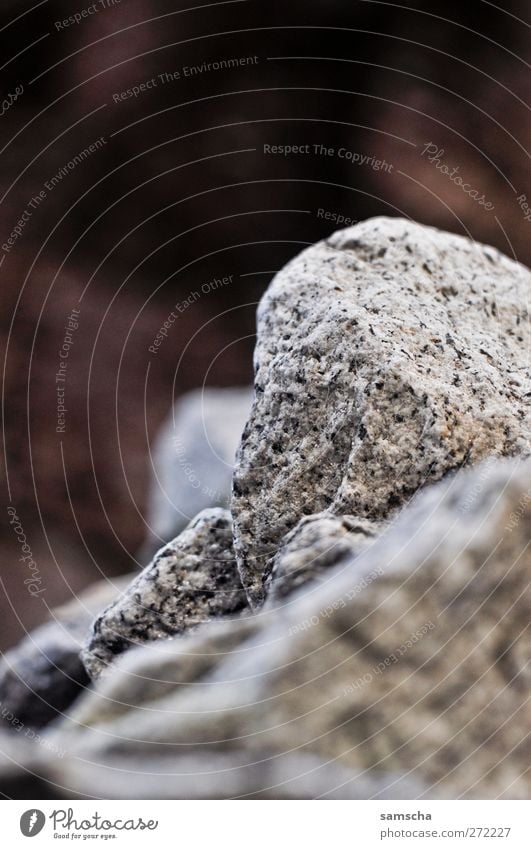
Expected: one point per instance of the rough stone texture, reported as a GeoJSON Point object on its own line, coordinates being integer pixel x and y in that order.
{"type": "Point", "coordinates": [316, 544]}
{"type": "Point", "coordinates": [230, 776]}
{"type": "Point", "coordinates": [421, 676]}
{"type": "Point", "coordinates": [43, 675]}
{"type": "Point", "coordinates": [148, 674]}
{"type": "Point", "coordinates": [193, 459]}
{"type": "Point", "coordinates": [191, 580]}
{"type": "Point", "coordinates": [387, 355]}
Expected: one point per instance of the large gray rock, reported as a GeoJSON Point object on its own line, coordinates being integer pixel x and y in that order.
{"type": "Point", "coordinates": [44, 673]}
{"type": "Point", "coordinates": [193, 458]}
{"type": "Point", "coordinates": [417, 683]}
{"type": "Point", "coordinates": [190, 581]}
{"type": "Point", "coordinates": [387, 355]}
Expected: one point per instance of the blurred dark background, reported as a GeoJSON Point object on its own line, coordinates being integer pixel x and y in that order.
{"type": "Point", "coordinates": [180, 192]}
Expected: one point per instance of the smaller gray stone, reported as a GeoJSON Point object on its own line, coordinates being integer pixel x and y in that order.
{"type": "Point", "coordinates": [314, 546]}
{"type": "Point", "coordinates": [191, 580]}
